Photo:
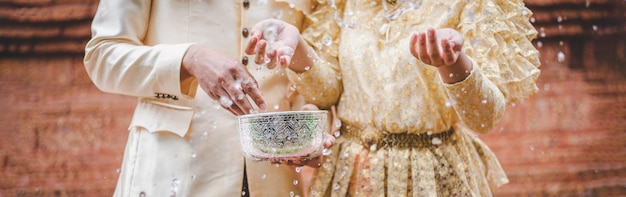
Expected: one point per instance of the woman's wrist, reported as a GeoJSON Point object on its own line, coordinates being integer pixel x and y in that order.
{"type": "Point", "coordinates": [302, 60]}
{"type": "Point", "coordinates": [456, 72]}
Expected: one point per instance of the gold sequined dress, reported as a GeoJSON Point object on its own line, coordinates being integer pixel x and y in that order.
{"type": "Point", "coordinates": [405, 132]}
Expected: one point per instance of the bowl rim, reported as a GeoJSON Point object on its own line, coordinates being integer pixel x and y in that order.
{"type": "Point", "coordinates": [283, 113]}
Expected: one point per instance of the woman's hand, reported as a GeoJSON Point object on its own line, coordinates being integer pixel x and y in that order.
{"type": "Point", "coordinates": [437, 48]}
{"type": "Point", "coordinates": [441, 48]}
{"type": "Point", "coordinates": [275, 42]}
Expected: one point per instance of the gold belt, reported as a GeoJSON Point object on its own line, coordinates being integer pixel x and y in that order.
{"type": "Point", "coordinates": [399, 140]}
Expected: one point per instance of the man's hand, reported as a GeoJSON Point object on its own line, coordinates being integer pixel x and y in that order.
{"type": "Point", "coordinates": [223, 78]}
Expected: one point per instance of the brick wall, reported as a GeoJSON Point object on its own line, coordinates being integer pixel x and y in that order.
{"type": "Point", "coordinates": [63, 137]}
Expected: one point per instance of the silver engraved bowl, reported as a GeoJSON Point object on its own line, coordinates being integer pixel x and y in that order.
{"type": "Point", "coordinates": [277, 136]}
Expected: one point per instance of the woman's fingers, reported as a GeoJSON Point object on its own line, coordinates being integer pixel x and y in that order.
{"type": "Point", "coordinates": [413, 46]}
{"type": "Point", "coordinates": [433, 48]}
{"type": "Point", "coordinates": [252, 45]}
{"type": "Point", "coordinates": [449, 56]}
{"type": "Point", "coordinates": [422, 49]}
{"type": "Point", "coordinates": [260, 53]}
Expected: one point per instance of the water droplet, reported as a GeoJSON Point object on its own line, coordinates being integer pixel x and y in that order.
{"type": "Point", "coordinates": [338, 123]}
{"type": "Point", "coordinates": [559, 19]}
{"type": "Point", "coordinates": [327, 40]}
{"type": "Point", "coordinates": [451, 75]}
{"type": "Point", "coordinates": [546, 87]}
{"type": "Point", "coordinates": [225, 101]}
{"type": "Point", "coordinates": [276, 106]}
{"type": "Point", "coordinates": [291, 194]}
{"type": "Point", "coordinates": [482, 125]}
{"type": "Point", "coordinates": [337, 133]}
{"type": "Point", "coordinates": [336, 186]}
{"type": "Point", "coordinates": [278, 14]}
{"type": "Point", "coordinates": [436, 141]}
{"type": "Point", "coordinates": [594, 27]}
{"type": "Point", "coordinates": [118, 170]}
{"type": "Point", "coordinates": [327, 152]}
{"type": "Point", "coordinates": [532, 19]}
{"type": "Point", "coordinates": [484, 101]}
{"type": "Point", "coordinates": [539, 44]}
{"type": "Point", "coordinates": [298, 169]}
{"type": "Point", "coordinates": [295, 182]}
{"type": "Point", "coordinates": [307, 68]}
{"type": "Point", "coordinates": [373, 148]}
{"type": "Point", "coordinates": [243, 193]}
{"type": "Point", "coordinates": [560, 57]}
{"type": "Point", "coordinates": [253, 111]}
{"type": "Point", "coordinates": [174, 186]}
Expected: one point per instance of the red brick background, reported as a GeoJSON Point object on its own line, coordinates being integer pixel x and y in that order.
{"type": "Point", "coordinates": [63, 137]}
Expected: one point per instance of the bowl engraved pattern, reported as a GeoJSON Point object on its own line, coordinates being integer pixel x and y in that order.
{"type": "Point", "coordinates": [282, 135]}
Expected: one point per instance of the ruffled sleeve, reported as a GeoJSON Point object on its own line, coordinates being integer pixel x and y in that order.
{"type": "Point", "coordinates": [303, 6]}
{"type": "Point", "coordinates": [321, 85]}
{"type": "Point", "coordinates": [498, 40]}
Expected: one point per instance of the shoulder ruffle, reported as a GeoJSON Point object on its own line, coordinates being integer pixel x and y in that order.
{"type": "Point", "coordinates": [300, 5]}
{"type": "Point", "coordinates": [498, 38]}
{"type": "Point", "coordinates": [321, 28]}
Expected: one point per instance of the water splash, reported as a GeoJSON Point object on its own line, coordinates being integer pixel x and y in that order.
{"type": "Point", "coordinates": [225, 101]}
{"type": "Point", "coordinates": [327, 152]}
{"type": "Point", "coordinates": [560, 57]}
{"type": "Point", "coordinates": [436, 141]}
{"type": "Point", "coordinates": [327, 40]}
{"type": "Point", "coordinates": [174, 187]}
